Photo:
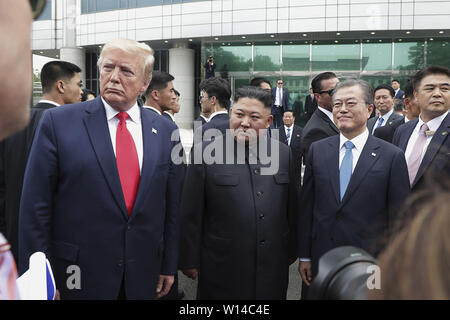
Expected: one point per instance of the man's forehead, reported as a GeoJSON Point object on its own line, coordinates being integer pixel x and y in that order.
{"type": "Point", "coordinates": [249, 105]}
{"type": "Point", "coordinates": [435, 79]}
{"type": "Point", "coordinates": [382, 92]}
{"type": "Point", "coordinates": [353, 92]}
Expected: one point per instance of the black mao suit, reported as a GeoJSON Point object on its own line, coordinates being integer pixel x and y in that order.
{"type": "Point", "coordinates": [238, 226]}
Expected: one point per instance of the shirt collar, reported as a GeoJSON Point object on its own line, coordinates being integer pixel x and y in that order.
{"type": "Point", "coordinates": [154, 109]}
{"type": "Point", "coordinates": [328, 113]}
{"type": "Point", "coordinates": [433, 124]}
{"type": "Point", "coordinates": [358, 141]}
{"type": "Point", "coordinates": [50, 102]}
{"type": "Point", "coordinates": [171, 116]}
{"type": "Point", "coordinates": [387, 115]}
{"type": "Point", "coordinates": [134, 112]}
{"type": "Point", "coordinates": [204, 118]}
{"type": "Point", "coordinates": [216, 113]}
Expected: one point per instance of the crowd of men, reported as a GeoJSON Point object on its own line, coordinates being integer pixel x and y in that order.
{"type": "Point", "coordinates": [97, 184]}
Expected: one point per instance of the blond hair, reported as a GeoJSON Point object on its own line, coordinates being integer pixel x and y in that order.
{"type": "Point", "coordinates": [131, 46]}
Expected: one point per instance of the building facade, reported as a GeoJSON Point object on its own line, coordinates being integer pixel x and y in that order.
{"type": "Point", "coordinates": [375, 40]}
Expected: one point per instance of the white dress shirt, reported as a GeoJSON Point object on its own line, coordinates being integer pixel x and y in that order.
{"type": "Point", "coordinates": [216, 113]}
{"type": "Point", "coordinates": [433, 125]}
{"type": "Point", "coordinates": [278, 96]}
{"type": "Point", "coordinates": [359, 142]}
{"type": "Point", "coordinates": [134, 126]}
{"type": "Point", "coordinates": [154, 109]}
{"type": "Point", "coordinates": [328, 113]}
{"type": "Point", "coordinates": [204, 118]}
{"type": "Point", "coordinates": [50, 102]}
{"type": "Point", "coordinates": [170, 115]}
{"type": "Point", "coordinates": [385, 119]}
{"type": "Point", "coordinates": [286, 132]}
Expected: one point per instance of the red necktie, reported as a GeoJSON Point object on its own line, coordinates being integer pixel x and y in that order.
{"type": "Point", "coordinates": [127, 162]}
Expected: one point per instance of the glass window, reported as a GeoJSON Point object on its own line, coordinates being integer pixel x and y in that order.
{"type": "Point", "coordinates": [327, 57]}
{"type": "Point", "coordinates": [438, 52]}
{"type": "Point", "coordinates": [92, 7]}
{"type": "Point", "coordinates": [295, 57]}
{"type": "Point", "coordinates": [375, 81]}
{"type": "Point", "coordinates": [236, 57]}
{"type": "Point", "coordinates": [408, 55]}
{"type": "Point", "coordinates": [156, 65]}
{"type": "Point", "coordinates": [84, 6]}
{"type": "Point", "coordinates": [47, 12]}
{"type": "Point", "coordinates": [123, 4]}
{"type": "Point", "coordinates": [167, 1]}
{"type": "Point", "coordinates": [267, 57]}
{"type": "Point", "coordinates": [298, 88]}
{"type": "Point", "coordinates": [377, 56]}
{"type": "Point", "coordinates": [164, 65]}
{"type": "Point", "coordinates": [148, 3]}
{"type": "Point", "coordinates": [105, 5]}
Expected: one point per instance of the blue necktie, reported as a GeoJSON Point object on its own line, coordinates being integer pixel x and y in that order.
{"type": "Point", "coordinates": [288, 135]}
{"type": "Point", "coordinates": [345, 172]}
{"type": "Point", "coordinates": [380, 122]}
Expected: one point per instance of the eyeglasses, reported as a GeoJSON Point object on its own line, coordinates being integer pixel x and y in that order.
{"type": "Point", "coordinates": [330, 92]}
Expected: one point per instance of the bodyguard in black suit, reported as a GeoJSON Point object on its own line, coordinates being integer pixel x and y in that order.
{"type": "Point", "coordinates": [384, 102]}
{"type": "Point", "coordinates": [425, 140]}
{"type": "Point", "coordinates": [399, 93]}
{"type": "Point", "coordinates": [310, 104]}
{"type": "Point", "coordinates": [160, 94]}
{"type": "Point", "coordinates": [215, 94]}
{"type": "Point", "coordinates": [61, 85]}
{"type": "Point", "coordinates": [321, 124]}
{"type": "Point", "coordinates": [237, 218]}
{"type": "Point", "coordinates": [339, 205]}
{"type": "Point", "coordinates": [291, 134]}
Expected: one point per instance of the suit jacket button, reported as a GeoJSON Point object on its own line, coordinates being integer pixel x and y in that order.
{"type": "Point", "coordinates": [261, 216]}
{"type": "Point", "coordinates": [256, 171]}
{"type": "Point", "coordinates": [262, 242]}
{"type": "Point", "coordinates": [259, 193]}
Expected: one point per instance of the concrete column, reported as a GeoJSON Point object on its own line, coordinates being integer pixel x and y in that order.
{"type": "Point", "coordinates": [181, 66]}
{"type": "Point", "coordinates": [76, 56]}
{"type": "Point", "coordinates": [70, 52]}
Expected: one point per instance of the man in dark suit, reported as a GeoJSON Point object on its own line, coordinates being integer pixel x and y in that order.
{"type": "Point", "coordinates": [214, 96]}
{"type": "Point", "coordinates": [291, 134]}
{"type": "Point", "coordinates": [240, 249]}
{"type": "Point", "coordinates": [280, 103]}
{"type": "Point", "coordinates": [160, 93]}
{"type": "Point", "coordinates": [425, 140]}
{"type": "Point", "coordinates": [412, 112]}
{"type": "Point", "coordinates": [101, 191]}
{"type": "Point", "coordinates": [384, 102]}
{"type": "Point", "coordinates": [339, 207]}
{"type": "Point", "coordinates": [321, 125]}
{"type": "Point", "coordinates": [310, 104]}
{"type": "Point", "coordinates": [61, 85]}
{"type": "Point", "coordinates": [399, 93]}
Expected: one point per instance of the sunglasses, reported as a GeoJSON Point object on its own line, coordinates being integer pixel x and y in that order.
{"type": "Point", "coordinates": [330, 92]}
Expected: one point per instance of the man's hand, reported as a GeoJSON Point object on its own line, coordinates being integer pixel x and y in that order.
{"type": "Point", "coordinates": [164, 285]}
{"type": "Point", "coordinates": [191, 273]}
{"type": "Point", "coordinates": [305, 271]}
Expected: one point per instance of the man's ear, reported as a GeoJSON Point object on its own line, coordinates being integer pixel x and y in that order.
{"type": "Point", "coordinates": [60, 86]}
{"type": "Point", "coordinates": [269, 121]}
{"type": "Point", "coordinates": [155, 95]}
{"type": "Point", "coordinates": [370, 109]}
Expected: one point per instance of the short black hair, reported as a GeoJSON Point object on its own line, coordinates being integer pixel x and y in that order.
{"type": "Point", "coordinates": [417, 79]}
{"type": "Point", "coordinates": [316, 83]}
{"type": "Point", "coordinates": [85, 93]}
{"type": "Point", "coordinates": [395, 80]}
{"type": "Point", "coordinates": [54, 71]}
{"type": "Point", "coordinates": [399, 105]}
{"type": "Point", "coordinates": [256, 82]}
{"type": "Point", "coordinates": [254, 93]}
{"type": "Point", "coordinates": [289, 110]}
{"type": "Point", "coordinates": [409, 89]}
{"type": "Point", "coordinates": [160, 80]}
{"type": "Point", "coordinates": [386, 87]}
{"type": "Point", "coordinates": [217, 87]}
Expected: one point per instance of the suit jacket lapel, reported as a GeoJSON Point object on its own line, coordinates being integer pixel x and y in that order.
{"type": "Point", "coordinates": [369, 155]}
{"type": "Point", "coordinates": [98, 131]}
{"type": "Point", "coordinates": [403, 142]}
{"type": "Point", "coordinates": [436, 142]}
{"type": "Point", "coordinates": [151, 145]}
{"type": "Point", "coordinates": [331, 123]}
{"type": "Point", "coordinates": [332, 163]}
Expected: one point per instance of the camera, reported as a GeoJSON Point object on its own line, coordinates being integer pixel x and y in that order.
{"type": "Point", "coordinates": [343, 275]}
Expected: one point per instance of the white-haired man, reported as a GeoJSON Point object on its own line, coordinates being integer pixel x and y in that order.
{"type": "Point", "coordinates": [100, 190]}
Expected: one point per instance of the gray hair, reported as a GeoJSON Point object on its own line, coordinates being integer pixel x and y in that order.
{"type": "Point", "coordinates": [366, 88]}
{"type": "Point", "coordinates": [131, 46]}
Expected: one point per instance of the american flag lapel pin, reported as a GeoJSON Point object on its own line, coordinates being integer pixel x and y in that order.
{"type": "Point", "coordinates": [154, 131]}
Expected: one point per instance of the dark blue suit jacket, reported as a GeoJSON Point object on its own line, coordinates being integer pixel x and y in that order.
{"type": "Point", "coordinates": [367, 212]}
{"type": "Point", "coordinates": [436, 161]}
{"type": "Point", "coordinates": [73, 209]}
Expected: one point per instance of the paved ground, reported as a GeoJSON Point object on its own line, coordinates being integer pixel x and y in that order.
{"type": "Point", "coordinates": [295, 283]}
